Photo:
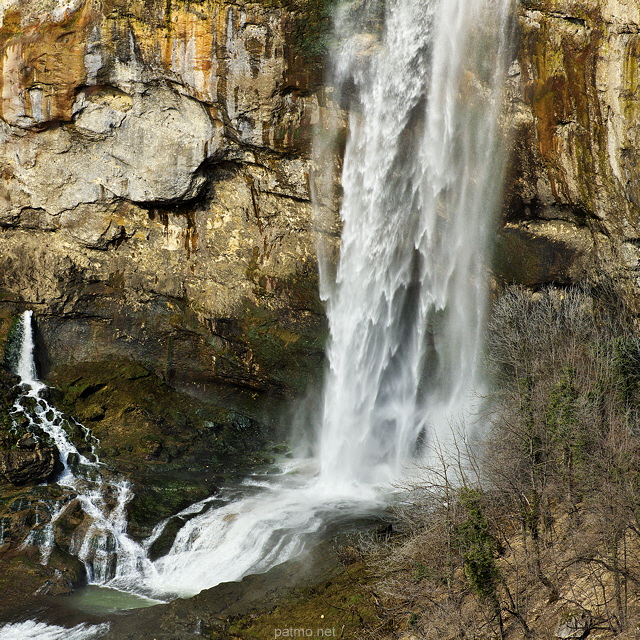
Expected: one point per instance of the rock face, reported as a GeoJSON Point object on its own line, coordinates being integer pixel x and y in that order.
{"type": "Point", "coordinates": [27, 467]}
{"type": "Point", "coordinates": [154, 193]}
{"type": "Point", "coordinates": [155, 207]}
{"type": "Point", "coordinates": [23, 460]}
{"type": "Point", "coordinates": [572, 201]}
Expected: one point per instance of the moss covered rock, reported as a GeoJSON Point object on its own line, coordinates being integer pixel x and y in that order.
{"type": "Point", "coordinates": [176, 450]}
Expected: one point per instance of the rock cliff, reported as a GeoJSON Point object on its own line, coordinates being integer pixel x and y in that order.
{"type": "Point", "coordinates": [154, 194]}
{"type": "Point", "coordinates": [155, 207]}
{"type": "Point", "coordinates": [573, 191]}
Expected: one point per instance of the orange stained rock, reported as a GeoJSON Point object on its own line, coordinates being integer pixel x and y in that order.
{"type": "Point", "coordinates": [42, 66]}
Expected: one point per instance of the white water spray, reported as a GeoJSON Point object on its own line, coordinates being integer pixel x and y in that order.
{"type": "Point", "coordinates": [32, 630]}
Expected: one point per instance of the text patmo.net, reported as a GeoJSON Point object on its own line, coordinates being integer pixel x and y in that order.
{"type": "Point", "coordinates": [304, 633]}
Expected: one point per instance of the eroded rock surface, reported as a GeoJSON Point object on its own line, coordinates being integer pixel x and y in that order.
{"type": "Point", "coordinates": [27, 467]}
{"type": "Point", "coordinates": [572, 189]}
{"type": "Point", "coordinates": [154, 195]}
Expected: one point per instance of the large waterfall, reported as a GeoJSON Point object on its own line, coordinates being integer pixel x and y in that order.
{"type": "Point", "coordinates": [421, 178]}
{"type": "Point", "coordinates": [422, 81]}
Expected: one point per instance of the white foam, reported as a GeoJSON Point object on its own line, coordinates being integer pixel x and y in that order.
{"type": "Point", "coordinates": [32, 630]}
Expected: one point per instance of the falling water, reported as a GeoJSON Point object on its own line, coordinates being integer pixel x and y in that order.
{"type": "Point", "coordinates": [103, 545]}
{"type": "Point", "coordinates": [421, 179]}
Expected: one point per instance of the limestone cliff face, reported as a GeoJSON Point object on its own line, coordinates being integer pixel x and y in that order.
{"type": "Point", "coordinates": [573, 188]}
{"type": "Point", "coordinates": [154, 190]}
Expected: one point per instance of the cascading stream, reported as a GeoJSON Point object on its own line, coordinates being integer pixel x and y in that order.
{"type": "Point", "coordinates": [421, 80]}
{"type": "Point", "coordinates": [103, 544]}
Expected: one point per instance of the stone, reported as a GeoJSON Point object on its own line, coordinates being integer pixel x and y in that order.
{"type": "Point", "coordinates": [154, 196]}
{"type": "Point", "coordinates": [27, 467]}
{"type": "Point", "coordinates": [577, 626]}
{"type": "Point", "coordinates": [572, 108]}
{"type": "Point", "coordinates": [27, 441]}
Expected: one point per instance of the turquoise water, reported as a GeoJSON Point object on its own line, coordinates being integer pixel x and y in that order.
{"type": "Point", "coordinates": [103, 600]}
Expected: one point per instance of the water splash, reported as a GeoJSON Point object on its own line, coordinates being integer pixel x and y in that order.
{"type": "Point", "coordinates": [421, 179]}
{"type": "Point", "coordinates": [244, 530]}
{"type": "Point", "coordinates": [32, 630]}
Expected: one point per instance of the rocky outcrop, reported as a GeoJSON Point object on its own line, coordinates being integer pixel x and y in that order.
{"type": "Point", "coordinates": [572, 201]}
{"type": "Point", "coordinates": [28, 465]}
{"type": "Point", "coordinates": [155, 213]}
{"type": "Point", "coordinates": [24, 459]}
{"type": "Point", "coordinates": [154, 196]}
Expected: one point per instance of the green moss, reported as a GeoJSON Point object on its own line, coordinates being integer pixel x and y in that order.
{"type": "Point", "coordinates": [286, 342]}
{"type": "Point", "coordinates": [164, 495]}
{"type": "Point", "coordinates": [280, 348]}
{"type": "Point", "coordinates": [175, 449]}
{"type": "Point", "coordinates": [344, 607]}
{"type": "Point", "coordinates": [12, 343]}
{"type": "Point", "coordinates": [312, 26]}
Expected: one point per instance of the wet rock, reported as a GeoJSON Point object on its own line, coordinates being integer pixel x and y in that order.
{"type": "Point", "coordinates": [93, 412]}
{"type": "Point", "coordinates": [162, 544]}
{"type": "Point", "coordinates": [71, 518]}
{"type": "Point", "coordinates": [212, 607]}
{"type": "Point", "coordinates": [27, 441]}
{"type": "Point", "coordinates": [27, 467]}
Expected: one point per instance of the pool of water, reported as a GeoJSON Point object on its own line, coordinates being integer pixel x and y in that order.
{"type": "Point", "coordinates": [97, 600]}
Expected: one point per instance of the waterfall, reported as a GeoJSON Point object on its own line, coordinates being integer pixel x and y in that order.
{"type": "Point", "coordinates": [26, 368]}
{"type": "Point", "coordinates": [103, 545]}
{"type": "Point", "coordinates": [421, 178]}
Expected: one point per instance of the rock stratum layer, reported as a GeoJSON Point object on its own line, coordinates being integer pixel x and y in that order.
{"type": "Point", "coordinates": [573, 187]}
{"type": "Point", "coordinates": [155, 207]}
{"type": "Point", "coordinates": [155, 188]}
{"type": "Point", "coordinates": [154, 195]}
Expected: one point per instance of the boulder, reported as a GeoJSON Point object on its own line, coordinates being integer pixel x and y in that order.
{"type": "Point", "coordinates": [27, 467]}
{"type": "Point", "coordinates": [577, 626]}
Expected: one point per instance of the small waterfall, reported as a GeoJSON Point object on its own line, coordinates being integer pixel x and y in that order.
{"type": "Point", "coordinates": [26, 368]}
{"type": "Point", "coordinates": [103, 545]}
